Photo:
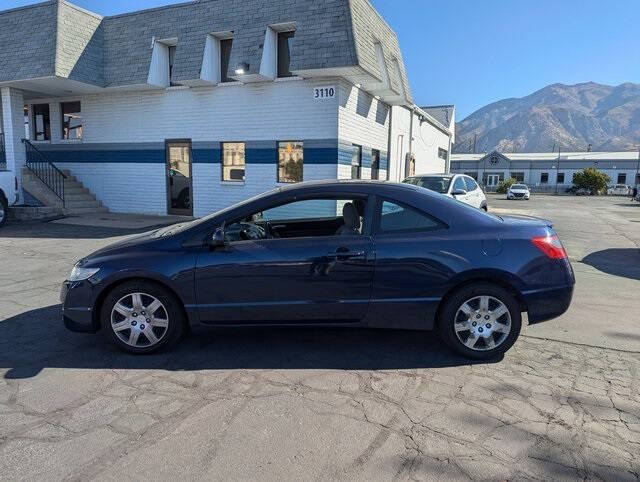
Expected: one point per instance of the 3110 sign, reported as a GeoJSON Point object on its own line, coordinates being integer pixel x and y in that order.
{"type": "Point", "coordinates": [324, 93]}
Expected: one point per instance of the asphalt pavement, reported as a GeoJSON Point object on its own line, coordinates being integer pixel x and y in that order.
{"type": "Point", "coordinates": [318, 404]}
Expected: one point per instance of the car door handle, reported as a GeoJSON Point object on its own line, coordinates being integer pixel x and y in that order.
{"type": "Point", "coordinates": [346, 254]}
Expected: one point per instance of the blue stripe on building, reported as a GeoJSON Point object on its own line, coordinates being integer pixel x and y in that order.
{"type": "Point", "coordinates": [316, 151]}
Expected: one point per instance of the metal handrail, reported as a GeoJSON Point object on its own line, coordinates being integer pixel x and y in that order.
{"type": "Point", "coordinates": [3, 155]}
{"type": "Point", "coordinates": [45, 170]}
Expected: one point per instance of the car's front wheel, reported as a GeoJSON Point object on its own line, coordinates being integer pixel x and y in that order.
{"type": "Point", "coordinates": [480, 321]}
{"type": "Point", "coordinates": [141, 317]}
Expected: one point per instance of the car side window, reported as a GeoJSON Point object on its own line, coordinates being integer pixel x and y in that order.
{"type": "Point", "coordinates": [459, 184]}
{"type": "Point", "coordinates": [339, 216]}
{"type": "Point", "coordinates": [471, 184]}
{"type": "Point", "coordinates": [398, 218]}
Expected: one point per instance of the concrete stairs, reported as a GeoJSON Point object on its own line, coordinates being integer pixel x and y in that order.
{"type": "Point", "coordinates": [78, 199]}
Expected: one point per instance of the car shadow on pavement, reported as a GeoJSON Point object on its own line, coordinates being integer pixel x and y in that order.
{"type": "Point", "coordinates": [623, 262]}
{"type": "Point", "coordinates": [37, 339]}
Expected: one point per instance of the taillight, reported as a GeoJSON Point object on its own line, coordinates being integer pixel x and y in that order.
{"type": "Point", "coordinates": [551, 246]}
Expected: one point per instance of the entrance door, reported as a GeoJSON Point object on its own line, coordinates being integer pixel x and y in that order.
{"type": "Point", "coordinates": [179, 185]}
{"type": "Point", "coordinates": [493, 180]}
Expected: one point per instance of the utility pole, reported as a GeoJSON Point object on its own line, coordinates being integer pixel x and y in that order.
{"type": "Point", "coordinates": [475, 140]}
{"type": "Point", "coordinates": [557, 170]}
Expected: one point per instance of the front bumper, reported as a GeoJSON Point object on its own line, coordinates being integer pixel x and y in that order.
{"type": "Point", "coordinates": [77, 298]}
{"type": "Point", "coordinates": [544, 305]}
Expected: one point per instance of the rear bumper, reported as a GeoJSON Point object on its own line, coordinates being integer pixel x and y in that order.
{"type": "Point", "coordinates": [77, 306]}
{"type": "Point", "coordinates": [544, 305]}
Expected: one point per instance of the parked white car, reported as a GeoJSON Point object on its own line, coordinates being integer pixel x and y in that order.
{"type": "Point", "coordinates": [619, 190]}
{"type": "Point", "coordinates": [8, 193]}
{"type": "Point", "coordinates": [458, 186]}
{"type": "Point", "coordinates": [519, 191]}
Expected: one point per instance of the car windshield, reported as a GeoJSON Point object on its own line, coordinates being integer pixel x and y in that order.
{"type": "Point", "coordinates": [434, 183]}
{"type": "Point", "coordinates": [180, 227]}
{"type": "Point", "coordinates": [518, 186]}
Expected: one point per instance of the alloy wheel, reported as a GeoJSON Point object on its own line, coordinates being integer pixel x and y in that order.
{"type": "Point", "coordinates": [139, 320]}
{"type": "Point", "coordinates": [482, 323]}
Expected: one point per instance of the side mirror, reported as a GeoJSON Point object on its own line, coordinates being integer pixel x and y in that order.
{"type": "Point", "coordinates": [217, 240]}
{"type": "Point", "coordinates": [459, 192]}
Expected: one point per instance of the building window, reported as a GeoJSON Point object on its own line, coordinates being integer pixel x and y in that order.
{"type": "Point", "coordinates": [622, 178]}
{"type": "Point", "coordinates": [41, 122]}
{"type": "Point", "coordinates": [225, 55]}
{"type": "Point", "coordinates": [233, 161]}
{"type": "Point", "coordinates": [285, 47]}
{"type": "Point", "coordinates": [544, 178]}
{"type": "Point", "coordinates": [290, 161]}
{"type": "Point", "coordinates": [375, 164]}
{"type": "Point", "coordinates": [518, 176]}
{"type": "Point", "coordinates": [172, 60]}
{"type": "Point", "coordinates": [560, 178]}
{"type": "Point", "coordinates": [71, 120]}
{"type": "Point", "coordinates": [442, 153]}
{"type": "Point", "coordinates": [356, 162]}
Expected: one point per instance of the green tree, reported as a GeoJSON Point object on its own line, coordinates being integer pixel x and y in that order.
{"type": "Point", "coordinates": [504, 186]}
{"type": "Point", "coordinates": [592, 179]}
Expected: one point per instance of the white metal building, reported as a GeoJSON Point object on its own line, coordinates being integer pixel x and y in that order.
{"type": "Point", "coordinates": [546, 171]}
{"type": "Point", "coordinates": [188, 108]}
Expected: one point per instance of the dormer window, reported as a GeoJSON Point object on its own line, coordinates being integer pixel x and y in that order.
{"type": "Point", "coordinates": [225, 56]}
{"type": "Point", "coordinates": [172, 59]}
{"type": "Point", "coordinates": [285, 47]}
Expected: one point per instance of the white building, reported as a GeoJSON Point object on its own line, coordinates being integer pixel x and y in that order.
{"type": "Point", "coordinates": [188, 108]}
{"type": "Point", "coordinates": [546, 171]}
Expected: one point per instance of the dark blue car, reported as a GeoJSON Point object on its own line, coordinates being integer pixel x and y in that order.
{"type": "Point", "coordinates": [352, 253]}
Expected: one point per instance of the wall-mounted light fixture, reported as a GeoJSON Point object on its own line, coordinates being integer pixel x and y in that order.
{"type": "Point", "coordinates": [242, 68]}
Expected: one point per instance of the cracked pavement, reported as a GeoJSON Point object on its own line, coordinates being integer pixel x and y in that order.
{"type": "Point", "coordinates": [297, 404]}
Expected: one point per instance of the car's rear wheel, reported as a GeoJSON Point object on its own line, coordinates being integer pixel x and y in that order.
{"type": "Point", "coordinates": [141, 317]}
{"type": "Point", "coordinates": [480, 321]}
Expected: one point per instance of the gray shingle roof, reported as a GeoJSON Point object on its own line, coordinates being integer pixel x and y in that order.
{"type": "Point", "coordinates": [58, 38]}
{"type": "Point", "coordinates": [442, 113]}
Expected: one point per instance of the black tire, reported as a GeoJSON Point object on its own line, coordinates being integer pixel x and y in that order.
{"type": "Point", "coordinates": [447, 318]}
{"type": "Point", "coordinates": [484, 208]}
{"type": "Point", "coordinates": [4, 209]}
{"type": "Point", "coordinates": [171, 308]}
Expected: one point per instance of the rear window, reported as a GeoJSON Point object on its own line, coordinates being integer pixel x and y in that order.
{"type": "Point", "coordinates": [398, 218]}
{"type": "Point", "coordinates": [433, 183]}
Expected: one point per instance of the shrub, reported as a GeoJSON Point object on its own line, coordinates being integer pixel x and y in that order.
{"type": "Point", "coordinates": [504, 186]}
{"type": "Point", "coordinates": [592, 179]}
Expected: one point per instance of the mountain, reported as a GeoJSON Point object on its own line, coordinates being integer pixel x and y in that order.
{"type": "Point", "coordinates": [568, 116]}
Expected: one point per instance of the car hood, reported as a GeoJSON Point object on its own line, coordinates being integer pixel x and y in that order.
{"type": "Point", "coordinates": [128, 242]}
{"type": "Point", "coordinates": [521, 220]}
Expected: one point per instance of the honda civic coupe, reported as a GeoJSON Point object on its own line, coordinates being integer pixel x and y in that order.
{"type": "Point", "coordinates": [329, 253]}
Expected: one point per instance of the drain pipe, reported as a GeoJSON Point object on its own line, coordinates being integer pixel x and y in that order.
{"type": "Point", "coordinates": [389, 142]}
{"type": "Point", "coordinates": [407, 160]}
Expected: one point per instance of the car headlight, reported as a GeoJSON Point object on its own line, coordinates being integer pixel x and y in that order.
{"type": "Point", "coordinates": [81, 274]}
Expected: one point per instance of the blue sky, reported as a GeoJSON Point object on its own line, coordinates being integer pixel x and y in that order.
{"type": "Point", "coordinates": [472, 52]}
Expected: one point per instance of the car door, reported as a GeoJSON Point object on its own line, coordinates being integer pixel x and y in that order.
{"type": "Point", "coordinates": [299, 279]}
{"type": "Point", "coordinates": [413, 265]}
